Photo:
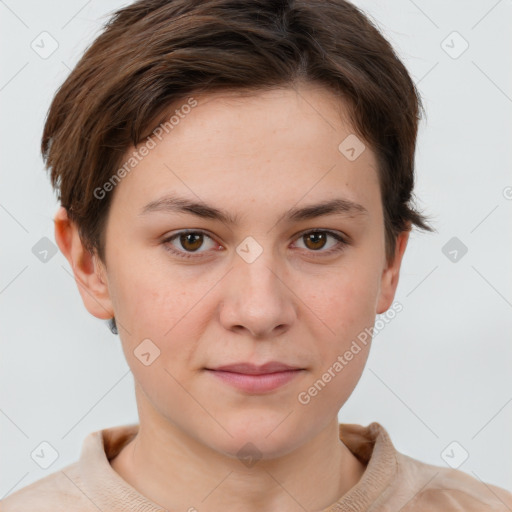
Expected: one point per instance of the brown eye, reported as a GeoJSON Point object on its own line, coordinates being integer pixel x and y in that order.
{"type": "Point", "coordinates": [315, 240]}
{"type": "Point", "coordinates": [318, 240]}
{"type": "Point", "coordinates": [186, 243]}
{"type": "Point", "coordinates": [191, 241]}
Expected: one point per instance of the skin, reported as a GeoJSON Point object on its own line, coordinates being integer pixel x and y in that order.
{"type": "Point", "coordinates": [256, 156]}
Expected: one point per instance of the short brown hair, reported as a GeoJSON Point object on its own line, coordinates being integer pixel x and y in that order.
{"type": "Point", "coordinates": [154, 53]}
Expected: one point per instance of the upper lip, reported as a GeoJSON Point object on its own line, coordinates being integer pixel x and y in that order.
{"type": "Point", "coordinates": [252, 369]}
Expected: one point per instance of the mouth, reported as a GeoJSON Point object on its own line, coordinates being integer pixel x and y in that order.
{"type": "Point", "coordinates": [256, 379]}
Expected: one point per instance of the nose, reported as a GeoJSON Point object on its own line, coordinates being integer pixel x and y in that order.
{"type": "Point", "coordinates": [258, 300]}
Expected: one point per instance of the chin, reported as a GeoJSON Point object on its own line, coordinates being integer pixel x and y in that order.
{"type": "Point", "coordinates": [261, 437]}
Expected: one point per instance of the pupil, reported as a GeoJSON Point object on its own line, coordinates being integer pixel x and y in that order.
{"type": "Point", "coordinates": [315, 238]}
{"type": "Point", "coordinates": [190, 236]}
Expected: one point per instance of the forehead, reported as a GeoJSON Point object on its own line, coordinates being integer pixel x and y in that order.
{"type": "Point", "coordinates": [268, 147]}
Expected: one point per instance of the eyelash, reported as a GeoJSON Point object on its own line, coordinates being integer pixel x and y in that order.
{"type": "Point", "coordinates": [338, 248]}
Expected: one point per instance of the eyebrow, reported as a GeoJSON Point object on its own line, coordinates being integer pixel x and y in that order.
{"type": "Point", "coordinates": [176, 204]}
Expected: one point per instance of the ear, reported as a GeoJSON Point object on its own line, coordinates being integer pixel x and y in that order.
{"type": "Point", "coordinates": [390, 275]}
{"type": "Point", "coordinates": [89, 271]}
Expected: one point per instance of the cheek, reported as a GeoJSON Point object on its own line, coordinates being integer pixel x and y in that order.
{"type": "Point", "coordinates": [146, 300]}
{"type": "Point", "coordinates": [342, 348]}
{"type": "Point", "coordinates": [346, 306]}
{"type": "Point", "coordinates": [170, 313]}
{"type": "Point", "coordinates": [161, 343]}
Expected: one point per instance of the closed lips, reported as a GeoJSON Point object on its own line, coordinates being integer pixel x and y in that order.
{"type": "Point", "coordinates": [251, 369]}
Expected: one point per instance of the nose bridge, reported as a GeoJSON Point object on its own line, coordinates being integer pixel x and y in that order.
{"type": "Point", "coordinates": [258, 299]}
{"type": "Point", "coordinates": [256, 273]}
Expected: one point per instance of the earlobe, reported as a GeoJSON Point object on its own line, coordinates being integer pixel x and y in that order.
{"type": "Point", "coordinates": [88, 270]}
{"type": "Point", "coordinates": [391, 274]}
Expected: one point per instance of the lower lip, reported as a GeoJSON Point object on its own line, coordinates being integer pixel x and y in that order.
{"type": "Point", "coordinates": [256, 383]}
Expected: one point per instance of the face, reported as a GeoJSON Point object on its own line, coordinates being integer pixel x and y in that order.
{"type": "Point", "coordinates": [272, 280]}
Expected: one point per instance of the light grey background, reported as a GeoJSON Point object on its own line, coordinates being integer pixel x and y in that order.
{"type": "Point", "coordinates": [438, 373]}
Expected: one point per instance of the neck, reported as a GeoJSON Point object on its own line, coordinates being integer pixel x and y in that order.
{"type": "Point", "coordinates": [180, 473]}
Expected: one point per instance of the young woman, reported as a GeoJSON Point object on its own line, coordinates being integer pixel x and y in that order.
{"type": "Point", "coordinates": [235, 182]}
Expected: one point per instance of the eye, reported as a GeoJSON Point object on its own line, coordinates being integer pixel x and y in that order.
{"type": "Point", "coordinates": [191, 241]}
{"type": "Point", "coordinates": [315, 240]}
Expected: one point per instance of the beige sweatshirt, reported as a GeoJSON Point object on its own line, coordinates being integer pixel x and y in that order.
{"type": "Point", "coordinates": [392, 481]}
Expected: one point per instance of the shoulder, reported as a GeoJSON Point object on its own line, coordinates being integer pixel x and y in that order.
{"type": "Point", "coordinates": [449, 490]}
{"type": "Point", "coordinates": [394, 481]}
{"type": "Point", "coordinates": [57, 492]}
